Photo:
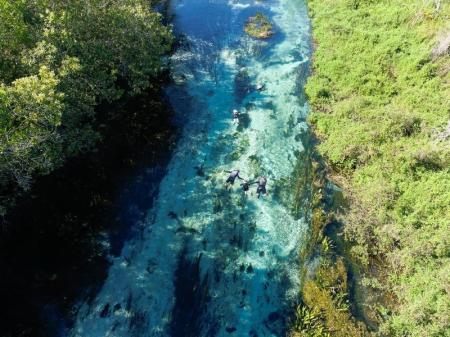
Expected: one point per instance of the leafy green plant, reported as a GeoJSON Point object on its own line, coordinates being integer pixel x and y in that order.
{"type": "Point", "coordinates": [327, 245]}
{"type": "Point", "coordinates": [308, 323]}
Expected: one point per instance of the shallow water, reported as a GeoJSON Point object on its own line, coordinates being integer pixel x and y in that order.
{"type": "Point", "coordinates": [210, 261]}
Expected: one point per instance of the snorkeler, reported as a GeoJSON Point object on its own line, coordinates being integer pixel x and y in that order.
{"type": "Point", "coordinates": [232, 177]}
{"type": "Point", "coordinates": [261, 189]}
{"type": "Point", "coordinates": [235, 117]}
{"type": "Point", "coordinates": [245, 186]}
{"type": "Point", "coordinates": [260, 86]}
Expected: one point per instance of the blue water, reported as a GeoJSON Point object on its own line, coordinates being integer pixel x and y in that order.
{"type": "Point", "coordinates": [211, 261]}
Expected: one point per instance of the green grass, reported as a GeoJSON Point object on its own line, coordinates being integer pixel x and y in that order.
{"type": "Point", "coordinates": [379, 97]}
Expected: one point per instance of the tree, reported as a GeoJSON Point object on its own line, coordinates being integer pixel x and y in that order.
{"type": "Point", "coordinates": [58, 61]}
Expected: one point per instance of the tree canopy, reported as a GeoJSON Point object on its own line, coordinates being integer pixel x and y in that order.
{"type": "Point", "coordinates": [58, 61]}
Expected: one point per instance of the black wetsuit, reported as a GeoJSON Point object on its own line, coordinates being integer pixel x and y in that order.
{"type": "Point", "coordinates": [232, 177]}
{"type": "Point", "coordinates": [245, 186]}
{"type": "Point", "coordinates": [261, 189]}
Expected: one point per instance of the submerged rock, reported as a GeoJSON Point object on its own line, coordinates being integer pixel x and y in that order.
{"type": "Point", "coordinates": [273, 316]}
{"type": "Point", "coordinates": [230, 329]}
{"type": "Point", "coordinates": [117, 307]}
{"type": "Point", "coordinates": [185, 229]}
{"type": "Point", "coordinates": [253, 333]}
{"type": "Point", "coordinates": [274, 321]}
{"type": "Point", "coordinates": [105, 311]}
{"type": "Point", "coordinates": [172, 215]}
{"type": "Point", "coordinates": [199, 171]}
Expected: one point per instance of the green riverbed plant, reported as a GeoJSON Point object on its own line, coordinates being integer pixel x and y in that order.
{"type": "Point", "coordinates": [324, 309]}
{"type": "Point", "coordinates": [380, 105]}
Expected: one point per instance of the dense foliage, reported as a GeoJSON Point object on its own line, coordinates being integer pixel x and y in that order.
{"type": "Point", "coordinates": [380, 105]}
{"type": "Point", "coordinates": [58, 61]}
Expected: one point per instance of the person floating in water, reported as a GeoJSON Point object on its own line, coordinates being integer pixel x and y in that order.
{"type": "Point", "coordinates": [235, 117]}
{"type": "Point", "coordinates": [245, 186]}
{"type": "Point", "coordinates": [261, 189]}
{"type": "Point", "coordinates": [232, 177]}
{"type": "Point", "coordinates": [260, 86]}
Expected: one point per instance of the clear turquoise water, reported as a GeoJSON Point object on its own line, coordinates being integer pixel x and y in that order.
{"type": "Point", "coordinates": [211, 261]}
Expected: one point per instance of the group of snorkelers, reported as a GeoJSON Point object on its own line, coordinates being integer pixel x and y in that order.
{"type": "Point", "coordinates": [261, 183]}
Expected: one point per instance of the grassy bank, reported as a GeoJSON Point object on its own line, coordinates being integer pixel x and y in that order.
{"type": "Point", "coordinates": [380, 105]}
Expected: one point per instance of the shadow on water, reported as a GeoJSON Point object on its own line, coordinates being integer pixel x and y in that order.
{"type": "Point", "coordinates": [192, 296]}
{"type": "Point", "coordinates": [243, 85]}
{"type": "Point", "coordinates": [235, 228]}
{"type": "Point", "coordinates": [52, 250]}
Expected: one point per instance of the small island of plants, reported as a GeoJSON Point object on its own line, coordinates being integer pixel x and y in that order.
{"type": "Point", "coordinates": [259, 26]}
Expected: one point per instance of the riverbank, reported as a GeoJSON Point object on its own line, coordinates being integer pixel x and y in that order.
{"type": "Point", "coordinates": [328, 303]}
{"type": "Point", "coordinates": [379, 98]}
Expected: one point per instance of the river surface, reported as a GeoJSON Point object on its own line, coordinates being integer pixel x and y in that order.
{"type": "Point", "coordinates": [210, 261]}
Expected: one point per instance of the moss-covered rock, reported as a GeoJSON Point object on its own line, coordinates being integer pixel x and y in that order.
{"type": "Point", "coordinates": [259, 26]}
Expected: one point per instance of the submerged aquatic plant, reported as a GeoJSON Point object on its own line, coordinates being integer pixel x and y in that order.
{"type": "Point", "coordinates": [255, 164]}
{"type": "Point", "coordinates": [242, 143]}
{"type": "Point", "coordinates": [308, 323]}
{"type": "Point", "coordinates": [327, 244]}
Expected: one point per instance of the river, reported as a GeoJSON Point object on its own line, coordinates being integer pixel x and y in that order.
{"type": "Point", "coordinates": [209, 261]}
